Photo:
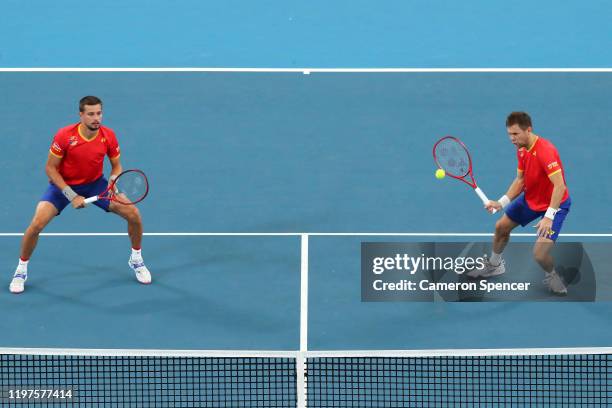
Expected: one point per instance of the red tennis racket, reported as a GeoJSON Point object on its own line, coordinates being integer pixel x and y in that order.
{"type": "Point", "coordinates": [452, 156]}
{"type": "Point", "coordinates": [130, 187]}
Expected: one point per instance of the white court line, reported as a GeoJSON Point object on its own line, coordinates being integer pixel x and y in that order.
{"type": "Point", "coordinates": [297, 234]}
{"type": "Point", "coordinates": [304, 294]}
{"type": "Point", "coordinates": [300, 362]}
{"type": "Point", "coordinates": [460, 352]}
{"type": "Point", "coordinates": [146, 352]}
{"type": "Point", "coordinates": [308, 354]}
{"type": "Point", "coordinates": [311, 70]}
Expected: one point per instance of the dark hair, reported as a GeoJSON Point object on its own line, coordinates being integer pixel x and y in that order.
{"type": "Point", "coordinates": [521, 119]}
{"type": "Point", "coordinates": [89, 100]}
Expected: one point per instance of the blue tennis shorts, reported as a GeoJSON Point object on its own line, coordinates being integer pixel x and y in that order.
{"type": "Point", "coordinates": [54, 195]}
{"type": "Point", "coordinates": [519, 212]}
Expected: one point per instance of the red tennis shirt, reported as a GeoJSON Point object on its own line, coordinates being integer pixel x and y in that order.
{"type": "Point", "coordinates": [83, 159]}
{"type": "Point", "coordinates": [537, 164]}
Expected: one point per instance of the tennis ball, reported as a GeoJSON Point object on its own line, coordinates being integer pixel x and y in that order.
{"type": "Point", "coordinates": [440, 173]}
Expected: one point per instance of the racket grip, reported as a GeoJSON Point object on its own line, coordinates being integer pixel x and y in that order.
{"type": "Point", "coordinates": [483, 197]}
{"type": "Point", "coordinates": [91, 199]}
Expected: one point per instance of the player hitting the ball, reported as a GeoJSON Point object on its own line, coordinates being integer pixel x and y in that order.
{"type": "Point", "coordinates": [75, 166]}
{"type": "Point", "coordinates": [538, 190]}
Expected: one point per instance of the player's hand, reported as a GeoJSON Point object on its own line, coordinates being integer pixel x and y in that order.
{"type": "Point", "coordinates": [493, 206]}
{"type": "Point", "coordinates": [113, 191]}
{"type": "Point", "coordinates": [544, 228]}
{"type": "Point", "coordinates": [78, 202]}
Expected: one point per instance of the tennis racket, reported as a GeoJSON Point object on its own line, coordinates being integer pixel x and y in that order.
{"type": "Point", "coordinates": [130, 187]}
{"type": "Point", "coordinates": [452, 156]}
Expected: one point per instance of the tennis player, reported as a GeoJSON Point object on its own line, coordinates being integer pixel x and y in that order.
{"type": "Point", "coordinates": [538, 191]}
{"type": "Point", "coordinates": [74, 167]}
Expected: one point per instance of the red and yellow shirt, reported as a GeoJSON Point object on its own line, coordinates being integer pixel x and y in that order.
{"type": "Point", "coordinates": [537, 164]}
{"type": "Point", "coordinates": [83, 159]}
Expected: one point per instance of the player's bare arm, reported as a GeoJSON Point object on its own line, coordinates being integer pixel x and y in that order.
{"type": "Point", "coordinates": [116, 168]}
{"type": "Point", "coordinates": [514, 191]}
{"type": "Point", "coordinates": [52, 170]}
{"type": "Point", "coordinates": [545, 224]}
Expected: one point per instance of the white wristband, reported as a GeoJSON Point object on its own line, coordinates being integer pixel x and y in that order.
{"type": "Point", "coordinates": [550, 213]}
{"type": "Point", "coordinates": [504, 201]}
{"type": "Point", "coordinates": [69, 193]}
{"type": "Point", "coordinates": [112, 178]}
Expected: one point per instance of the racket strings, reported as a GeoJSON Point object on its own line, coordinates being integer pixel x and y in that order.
{"type": "Point", "coordinates": [131, 187]}
{"type": "Point", "coordinates": [453, 158]}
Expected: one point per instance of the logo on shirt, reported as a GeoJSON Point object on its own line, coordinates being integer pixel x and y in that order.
{"type": "Point", "coordinates": [552, 165]}
{"type": "Point", "coordinates": [73, 141]}
{"type": "Point", "coordinates": [56, 148]}
{"type": "Point", "coordinates": [103, 140]}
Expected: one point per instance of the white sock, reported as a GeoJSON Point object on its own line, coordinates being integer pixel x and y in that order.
{"type": "Point", "coordinates": [495, 258]}
{"type": "Point", "coordinates": [22, 266]}
{"type": "Point", "coordinates": [136, 253]}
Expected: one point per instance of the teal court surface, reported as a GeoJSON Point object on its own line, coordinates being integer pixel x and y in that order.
{"type": "Point", "coordinates": [264, 185]}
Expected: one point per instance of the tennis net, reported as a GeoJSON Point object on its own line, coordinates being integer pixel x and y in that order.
{"type": "Point", "coordinates": [442, 378]}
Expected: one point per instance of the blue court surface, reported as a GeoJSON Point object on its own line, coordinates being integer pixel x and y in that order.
{"type": "Point", "coordinates": [273, 33]}
{"type": "Point", "coordinates": [265, 185]}
{"type": "Point", "coordinates": [283, 152]}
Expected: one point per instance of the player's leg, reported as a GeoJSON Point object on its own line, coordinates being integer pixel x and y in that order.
{"type": "Point", "coordinates": [542, 251]}
{"type": "Point", "coordinates": [45, 212]}
{"type": "Point", "coordinates": [131, 214]}
{"type": "Point", "coordinates": [517, 213]}
{"type": "Point", "coordinates": [542, 254]}
{"type": "Point", "coordinates": [495, 264]}
{"type": "Point", "coordinates": [503, 228]}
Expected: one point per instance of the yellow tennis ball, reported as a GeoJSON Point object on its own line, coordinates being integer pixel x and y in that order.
{"type": "Point", "coordinates": [440, 173]}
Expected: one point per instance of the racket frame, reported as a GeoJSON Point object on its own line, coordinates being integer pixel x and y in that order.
{"type": "Point", "coordinates": [109, 194]}
{"type": "Point", "coordinates": [483, 197]}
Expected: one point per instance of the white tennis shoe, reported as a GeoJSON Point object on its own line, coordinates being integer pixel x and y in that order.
{"type": "Point", "coordinates": [555, 283]}
{"type": "Point", "coordinates": [140, 270]}
{"type": "Point", "coordinates": [489, 270]}
{"type": "Point", "coordinates": [18, 283]}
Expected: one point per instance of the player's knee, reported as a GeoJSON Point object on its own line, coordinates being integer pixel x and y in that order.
{"type": "Point", "coordinates": [36, 226]}
{"type": "Point", "coordinates": [133, 215]}
{"type": "Point", "coordinates": [502, 228]}
{"type": "Point", "coordinates": [539, 255]}
{"type": "Point", "coordinates": [541, 252]}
